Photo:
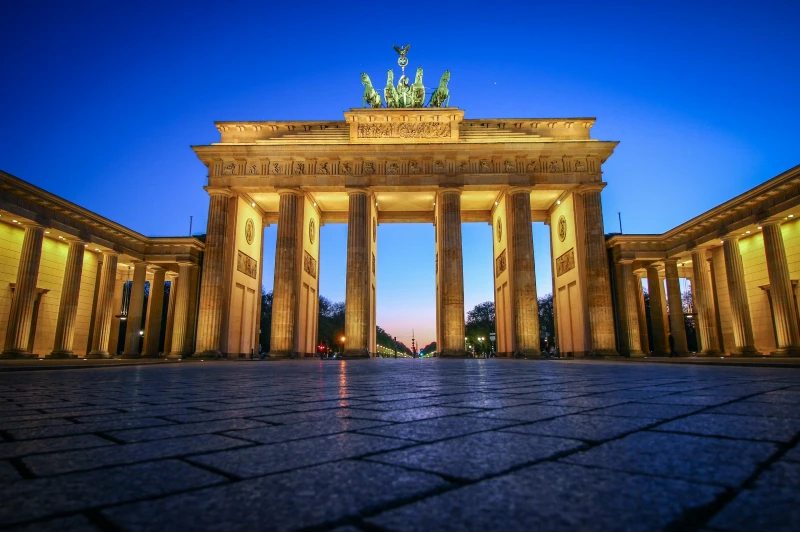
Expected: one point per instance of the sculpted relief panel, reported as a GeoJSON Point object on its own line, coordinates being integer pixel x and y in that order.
{"type": "Point", "coordinates": [247, 265]}
{"type": "Point", "coordinates": [368, 167]}
{"type": "Point", "coordinates": [423, 130]}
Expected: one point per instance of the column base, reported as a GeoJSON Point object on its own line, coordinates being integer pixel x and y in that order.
{"type": "Point", "coordinates": [453, 354]}
{"type": "Point", "coordinates": [129, 356]}
{"type": "Point", "coordinates": [177, 356]}
{"type": "Point", "coordinates": [98, 354]}
{"type": "Point", "coordinates": [61, 354]}
{"type": "Point", "coordinates": [712, 353]}
{"type": "Point", "coordinates": [746, 352]}
{"type": "Point", "coordinates": [208, 354]}
{"type": "Point", "coordinates": [17, 354]}
{"type": "Point", "coordinates": [608, 352]}
{"type": "Point", "coordinates": [787, 351]}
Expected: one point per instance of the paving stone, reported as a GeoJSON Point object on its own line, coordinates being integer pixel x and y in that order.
{"type": "Point", "coordinates": [407, 415]}
{"type": "Point", "coordinates": [770, 506]}
{"type": "Point", "coordinates": [307, 416]}
{"type": "Point", "coordinates": [8, 473]}
{"type": "Point", "coordinates": [585, 427]}
{"type": "Point", "coordinates": [793, 454]}
{"type": "Point", "coordinates": [27, 447]}
{"type": "Point", "coordinates": [689, 399]}
{"type": "Point", "coordinates": [272, 434]}
{"type": "Point", "coordinates": [273, 458]}
{"type": "Point", "coordinates": [736, 426]}
{"type": "Point", "coordinates": [434, 429]}
{"type": "Point", "coordinates": [790, 397]}
{"type": "Point", "coordinates": [750, 408]}
{"type": "Point", "coordinates": [222, 415]}
{"type": "Point", "coordinates": [76, 522]}
{"type": "Point", "coordinates": [495, 403]}
{"type": "Point", "coordinates": [180, 430]}
{"type": "Point", "coordinates": [688, 457]}
{"type": "Point", "coordinates": [478, 455]}
{"type": "Point", "coordinates": [70, 461]}
{"type": "Point", "coordinates": [303, 499]}
{"type": "Point", "coordinates": [77, 429]}
{"type": "Point", "coordinates": [530, 413]}
{"type": "Point", "coordinates": [554, 497]}
{"type": "Point", "coordinates": [35, 423]}
{"type": "Point", "coordinates": [647, 410]}
{"type": "Point", "coordinates": [32, 499]}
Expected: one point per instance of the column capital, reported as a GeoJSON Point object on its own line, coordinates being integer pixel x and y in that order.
{"type": "Point", "coordinates": [590, 187]}
{"type": "Point", "coordinates": [221, 191]}
{"type": "Point", "coordinates": [156, 268]}
{"type": "Point", "coordinates": [519, 189]}
{"type": "Point", "coordinates": [770, 222]}
{"type": "Point", "coordinates": [172, 275]}
{"type": "Point", "coordinates": [358, 190]}
{"type": "Point", "coordinates": [186, 263]}
{"type": "Point", "coordinates": [288, 190]}
{"type": "Point", "coordinates": [625, 261]}
{"type": "Point", "coordinates": [443, 190]}
{"type": "Point", "coordinates": [670, 261]}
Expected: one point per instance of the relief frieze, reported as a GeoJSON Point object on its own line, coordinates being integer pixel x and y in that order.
{"type": "Point", "coordinates": [500, 264]}
{"type": "Point", "coordinates": [418, 130]}
{"type": "Point", "coordinates": [247, 265]}
{"type": "Point", "coordinates": [565, 262]}
{"type": "Point", "coordinates": [309, 264]}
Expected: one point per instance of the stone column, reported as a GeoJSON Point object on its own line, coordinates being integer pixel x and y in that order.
{"type": "Point", "coordinates": [598, 283]}
{"type": "Point", "coordinates": [522, 269]}
{"type": "Point", "coordinates": [677, 323]}
{"type": "Point", "coordinates": [181, 295]}
{"type": "Point", "coordinates": [784, 312]}
{"type": "Point", "coordinates": [630, 310]}
{"type": "Point", "coordinates": [644, 338]}
{"type": "Point", "coordinates": [155, 313]}
{"type": "Point", "coordinates": [21, 313]}
{"type": "Point", "coordinates": [172, 277]}
{"type": "Point", "coordinates": [135, 310]}
{"type": "Point", "coordinates": [284, 293]}
{"type": "Point", "coordinates": [212, 287]}
{"type": "Point", "coordinates": [703, 300]}
{"type": "Point", "coordinates": [104, 310]}
{"type": "Point", "coordinates": [357, 297]}
{"type": "Point", "coordinates": [740, 306]}
{"type": "Point", "coordinates": [657, 322]}
{"type": "Point", "coordinates": [451, 266]}
{"type": "Point", "coordinates": [68, 305]}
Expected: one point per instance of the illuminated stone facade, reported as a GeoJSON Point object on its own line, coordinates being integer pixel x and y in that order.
{"type": "Point", "coordinates": [428, 165]}
{"type": "Point", "coordinates": [742, 263]}
{"type": "Point", "coordinates": [63, 276]}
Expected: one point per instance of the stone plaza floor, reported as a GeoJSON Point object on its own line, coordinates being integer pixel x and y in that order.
{"type": "Point", "coordinates": [401, 445]}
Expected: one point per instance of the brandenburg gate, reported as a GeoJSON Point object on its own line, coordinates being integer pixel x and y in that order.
{"type": "Point", "coordinates": [404, 165]}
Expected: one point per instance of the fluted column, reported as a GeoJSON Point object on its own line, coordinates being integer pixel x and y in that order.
{"type": "Point", "coordinates": [172, 278]}
{"type": "Point", "coordinates": [642, 314]}
{"type": "Point", "coordinates": [135, 311]}
{"type": "Point", "coordinates": [784, 312]}
{"type": "Point", "coordinates": [182, 293]}
{"type": "Point", "coordinates": [657, 322]}
{"type": "Point", "coordinates": [21, 314]}
{"type": "Point", "coordinates": [357, 309]}
{"type": "Point", "coordinates": [212, 286]}
{"type": "Point", "coordinates": [703, 300]}
{"type": "Point", "coordinates": [104, 308]}
{"type": "Point", "coordinates": [451, 266]}
{"type": "Point", "coordinates": [155, 313]}
{"type": "Point", "coordinates": [526, 304]}
{"type": "Point", "coordinates": [740, 305]}
{"type": "Point", "coordinates": [630, 311]}
{"type": "Point", "coordinates": [284, 293]}
{"type": "Point", "coordinates": [677, 322]}
{"type": "Point", "coordinates": [598, 284]}
{"type": "Point", "coordinates": [68, 305]}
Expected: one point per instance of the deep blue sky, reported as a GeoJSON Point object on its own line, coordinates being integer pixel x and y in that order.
{"type": "Point", "coordinates": [100, 102]}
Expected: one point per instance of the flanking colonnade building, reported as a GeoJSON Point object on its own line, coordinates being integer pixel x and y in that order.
{"type": "Point", "coordinates": [70, 279]}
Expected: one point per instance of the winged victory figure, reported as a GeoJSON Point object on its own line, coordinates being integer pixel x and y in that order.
{"type": "Point", "coordinates": [402, 51]}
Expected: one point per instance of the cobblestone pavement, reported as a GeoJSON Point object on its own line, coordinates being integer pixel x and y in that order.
{"type": "Point", "coordinates": [401, 444]}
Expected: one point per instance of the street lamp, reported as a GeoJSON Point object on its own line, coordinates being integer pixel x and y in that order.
{"type": "Point", "coordinates": [342, 339]}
